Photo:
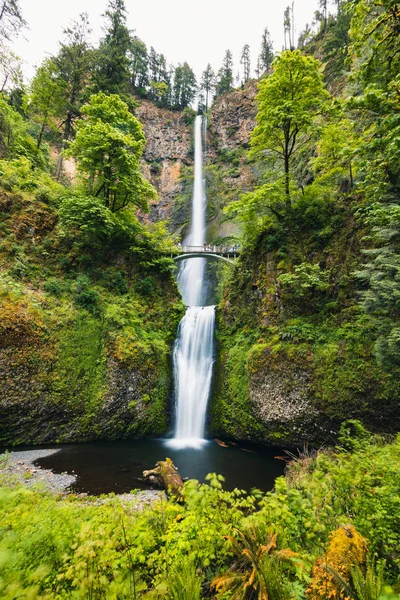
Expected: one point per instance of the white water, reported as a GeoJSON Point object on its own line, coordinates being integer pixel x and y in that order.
{"type": "Point", "coordinates": [194, 345]}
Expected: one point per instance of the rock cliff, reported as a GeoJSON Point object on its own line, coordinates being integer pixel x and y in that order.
{"type": "Point", "coordinates": [227, 171]}
{"type": "Point", "coordinates": [168, 150]}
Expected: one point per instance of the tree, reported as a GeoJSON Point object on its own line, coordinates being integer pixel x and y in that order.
{"type": "Point", "coordinates": [108, 147]}
{"type": "Point", "coordinates": [287, 27]}
{"type": "Point", "coordinates": [336, 44]}
{"type": "Point", "coordinates": [139, 64]}
{"type": "Point", "coordinates": [73, 64]}
{"type": "Point", "coordinates": [381, 279]}
{"type": "Point", "coordinates": [305, 36]}
{"type": "Point", "coordinates": [323, 4]}
{"type": "Point", "coordinates": [184, 91]}
{"type": "Point", "coordinates": [289, 101]}
{"type": "Point", "coordinates": [11, 21]}
{"type": "Point", "coordinates": [113, 72]}
{"type": "Point", "coordinates": [10, 69]}
{"type": "Point", "coordinates": [225, 74]}
{"type": "Point", "coordinates": [267, 53]}
{"type": "Point", "coordinates": [207, 84]}
{"type": "Point", "coordinates": [47, 96]}
{"type": "Point", "coordinates": [160, 79]}
{"type": "Point", "coordinates": [245, 61]}
{"type": "Point", "coordinates": [375, 39]}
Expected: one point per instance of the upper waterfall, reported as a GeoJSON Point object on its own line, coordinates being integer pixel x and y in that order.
{"type": "Point", "coordinates": [191, 275]}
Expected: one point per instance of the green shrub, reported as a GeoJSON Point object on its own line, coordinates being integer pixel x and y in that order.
{"type": "Point", "coordinates": [54, 286]}
{"type": "Point", "coordinates": [144, 286]}
{"type": "Point", "coordinates": [85, 296]}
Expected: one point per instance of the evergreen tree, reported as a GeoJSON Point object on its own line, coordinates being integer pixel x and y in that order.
{"type": "Point", "coordinates": [225, 74]}
{"type": "Point", "coordinates": [245, 61]}
{"type": "Point", "coordinates": [73, 65]}
{"type": "Point", "coordinates": [259, 69]}
{"type": "Point", "coordinates": [305, 36]}
{"type": "Point", "coordinates": [336, 46]}
{"type": "Point", "coordinates": [112, 75]}
{"type": "Point", "coordinates": [154, 67]}
{"type": "Point", "coordinates": [267, 53]}
{"type": "Point", "coordinates": [139, 65]}
{"type": "Point", "coordinates": [207, 84]}
{"type": "Point", "coordinates": [184, 91]}
{"type": "Point", "coordinates": [160, 79]}
{"type": "Point", "coordinates": [323, 4]}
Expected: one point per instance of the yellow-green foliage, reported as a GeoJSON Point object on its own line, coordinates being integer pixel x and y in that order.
{"type": "Point", "coordinates": [347, 549]}
{"type": "Point", "coordinates": [270, 546]}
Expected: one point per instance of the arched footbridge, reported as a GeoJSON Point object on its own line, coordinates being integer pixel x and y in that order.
{"type": "Point", "coordinates": [227, 253]}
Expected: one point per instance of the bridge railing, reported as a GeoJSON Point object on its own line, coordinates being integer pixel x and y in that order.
{"type": "Point", "coordinates": [228, 249]}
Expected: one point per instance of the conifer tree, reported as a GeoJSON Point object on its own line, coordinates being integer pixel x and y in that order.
{"type": "Point", "coordinates": [184, 90]}
{"type": "Point", "coordinates": [113, 72]}
{"type": "Point", "coordinates": [287, 26]}
{"type": "Point", "coordinates": [207, 84]}
{"type": "Point", "coordinates": [139, 64]}
{"type": "Point", "coordinates": [323, 4]}
{"type": "Point", "coordinates": [225, 74]}
{"type": "Point", "coordinates": [245, 61]}
{"type": "Point", "coordinates": [267, 53]}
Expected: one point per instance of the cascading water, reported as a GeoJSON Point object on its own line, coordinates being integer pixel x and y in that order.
{"type": "Point", "coordinates": [194, 345]}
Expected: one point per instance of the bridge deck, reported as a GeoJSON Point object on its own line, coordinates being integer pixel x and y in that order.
{"type": "Point", "coordinates": [208, 249]}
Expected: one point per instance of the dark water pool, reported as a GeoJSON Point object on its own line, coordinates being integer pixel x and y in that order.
{"type": "Point", "coordinates": [117, 466]}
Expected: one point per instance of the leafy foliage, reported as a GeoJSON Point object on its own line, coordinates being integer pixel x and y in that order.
{"type": "Point", "coordinates": [310, 533]}
{"type": "Point", "coordinates": [108, 147]}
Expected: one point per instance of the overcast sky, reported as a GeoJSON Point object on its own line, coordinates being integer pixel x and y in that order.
{"type": "Point", "coordinates": [196, 31]}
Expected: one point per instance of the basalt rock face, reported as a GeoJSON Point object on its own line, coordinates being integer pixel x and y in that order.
{"type": "Point", "coordinates": [71, 370]}
{"type": "Point", "coordinates": [168, 151]}
{"type": "Point", "coordinates": [232, 119]}
{"type": "Point", "coordinates": [228, 172]}
{"type": "Point", "coordinates": [168, 159]}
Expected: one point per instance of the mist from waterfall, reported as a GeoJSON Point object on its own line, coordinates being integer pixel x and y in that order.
{"type": "Point", "coordinates": [193, 354]}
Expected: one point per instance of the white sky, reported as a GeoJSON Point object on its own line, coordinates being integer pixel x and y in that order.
{"type": "Point", "coordinates": [196, 31]}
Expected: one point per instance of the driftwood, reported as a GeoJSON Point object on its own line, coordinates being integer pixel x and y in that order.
{"type": "Point", "coordinates": [165, 476]}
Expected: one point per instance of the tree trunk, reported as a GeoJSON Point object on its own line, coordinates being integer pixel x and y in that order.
{"type": "Point", "coordinates": [67, 135]}
{"type": "Point", "coordinates": [287, 180]}
{"type": "Point", "coordinates": [59, 164]}
{"type": "Point", "coordinates": [39, 142]}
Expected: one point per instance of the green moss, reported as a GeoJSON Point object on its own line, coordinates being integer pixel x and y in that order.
{"type": "Point", "coordinates": [231, 411]}
{"type": "Point", "coordinates": [80, 370]}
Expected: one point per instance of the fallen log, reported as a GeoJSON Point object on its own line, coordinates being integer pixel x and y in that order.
{"type": "Point", "coordinates": [165, 475]}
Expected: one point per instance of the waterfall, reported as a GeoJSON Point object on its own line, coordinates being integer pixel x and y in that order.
{"type": "Point", "coordinates": [194, 345]}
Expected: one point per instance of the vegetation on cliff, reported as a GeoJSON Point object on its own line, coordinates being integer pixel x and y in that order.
{"type": "Point", "coordinates": [89, 305]}
{"type": "Point", "coordinates": [308, 323]}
